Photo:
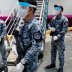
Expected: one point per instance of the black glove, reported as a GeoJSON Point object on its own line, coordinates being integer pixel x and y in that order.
{"type": "Point", "coordinates": [16, 33]}
{"type": "Point", "coordinates": [51, 33]}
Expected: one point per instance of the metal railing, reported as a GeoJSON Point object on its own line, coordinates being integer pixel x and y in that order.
{"type": "Point", "coordinates": [41, 13]}
{"type": "Point", "coordinates": [44, 14]}
{"type": "Point", "coordinates": [13, 20]}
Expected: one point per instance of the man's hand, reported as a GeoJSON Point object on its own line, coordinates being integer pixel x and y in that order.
{"type": "Point", "coordinates": [52, 29]}
{"type": "Point", "coordinates": [19, 67]}
{"type": "Point", "coordinates": [55, 38]}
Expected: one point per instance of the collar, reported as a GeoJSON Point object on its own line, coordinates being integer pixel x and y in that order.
{"type": "Point", "coordinates": [30, 20]}
{"type": "Point", "coordinates": [59, 16]}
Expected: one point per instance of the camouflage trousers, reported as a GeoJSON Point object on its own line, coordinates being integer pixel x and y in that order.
{"type": "Point", "coordinates": [3, 54]}
{"type": "Point", "coordinates": [32, 64]}
{"type": "Point", "coordinates": [30, 68]}
{"type": "Point", "coordinates": [60, 47]}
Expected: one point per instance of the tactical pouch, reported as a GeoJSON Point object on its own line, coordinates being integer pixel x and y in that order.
{"type": "Point", "coordinates": [51, 33]}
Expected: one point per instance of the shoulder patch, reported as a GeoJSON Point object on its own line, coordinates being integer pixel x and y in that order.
{"type": "Point", "coordinates": [37, 36]}
{"type": "Point", "coordinates": [64, 18]}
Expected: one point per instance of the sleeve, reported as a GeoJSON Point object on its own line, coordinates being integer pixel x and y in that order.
{"type": "Point", "coordinates": [52, 22]}
{"type": "Point", "coordinates": [36, 45]}
{"type": "Point", "coordinates": [52, 25]}
{"type": "Point", "coordinates": [4, 29]}
{"type": "Point", "coordinates": [64, 28]}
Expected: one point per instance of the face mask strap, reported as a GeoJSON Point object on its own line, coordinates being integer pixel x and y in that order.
{"type": "Point", "coordinates": [33, 6]}
{"type": "Point", "coordinates": [25, 4]}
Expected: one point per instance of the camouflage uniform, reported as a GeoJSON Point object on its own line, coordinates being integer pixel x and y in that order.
{"type": "Point", "coordinates": [60, 23]}
{"type": "Point", "coordinates": [18, 38]}
{"type": "Point", "coordinates": [31, 42]}
{"type": "Point", "coordinates": [2, 45]}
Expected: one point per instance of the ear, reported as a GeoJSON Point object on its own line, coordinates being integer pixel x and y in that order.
{"type": "Point", "coordinates": [61, 11]}
{"type": "Point", "coordinates": [30, 9]}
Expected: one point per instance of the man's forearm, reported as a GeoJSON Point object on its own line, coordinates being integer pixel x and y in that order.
{"type": "Point", "coordinates": [31, 54]}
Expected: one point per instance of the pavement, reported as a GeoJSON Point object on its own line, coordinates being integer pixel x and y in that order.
{"type": "Point", "coordinates": [68, 55]}
{"type": "Point", "coordinates": [46, 59]}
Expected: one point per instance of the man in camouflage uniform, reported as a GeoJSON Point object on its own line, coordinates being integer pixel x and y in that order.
{"type": "Point", "coordinates": [2, 46]}
{"type": "Point", "coordinates": [30, 38]}
{"type": "Point", "coordinates": [58, 27]}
